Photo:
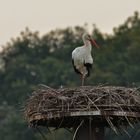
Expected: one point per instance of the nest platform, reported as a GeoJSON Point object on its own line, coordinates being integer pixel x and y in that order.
{"type": "Point", "coordinates": [67, 107]}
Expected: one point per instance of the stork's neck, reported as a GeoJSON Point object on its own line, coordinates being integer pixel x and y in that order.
{"type": "Point", "coordinates": [87, 44]}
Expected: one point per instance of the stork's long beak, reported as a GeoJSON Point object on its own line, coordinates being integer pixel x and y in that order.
{"type": "Point", "coordinates": [93, 43]}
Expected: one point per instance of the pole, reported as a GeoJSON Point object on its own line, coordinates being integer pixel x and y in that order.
{"type": "Point", "coordinates": [90, 131]}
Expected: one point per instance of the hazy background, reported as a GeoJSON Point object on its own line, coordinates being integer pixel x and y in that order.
{"type": "Point", "coordinates": [45, 15]}
{"type": "Point", "coordinates": [32, 58]}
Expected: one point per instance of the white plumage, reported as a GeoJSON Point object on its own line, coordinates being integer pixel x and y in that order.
{"type": "Point", "coordinates": [81, 57]}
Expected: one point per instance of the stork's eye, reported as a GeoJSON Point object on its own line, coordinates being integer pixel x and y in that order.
{"type": "Point", "coordinates": [89, 37]}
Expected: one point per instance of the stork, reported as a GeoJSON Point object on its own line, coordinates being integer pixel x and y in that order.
{"type": "Point", "coordinates": [81, 57]}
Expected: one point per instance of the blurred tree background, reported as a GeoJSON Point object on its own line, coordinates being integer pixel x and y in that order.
{"type": "Point", "coordinates": [30, 60]}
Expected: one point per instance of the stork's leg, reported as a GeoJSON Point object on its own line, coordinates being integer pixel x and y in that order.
{"type": "Point", "coordinates": [82, 80]}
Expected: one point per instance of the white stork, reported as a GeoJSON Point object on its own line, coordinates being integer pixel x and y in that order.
{"type": "Point", "coordinates": [81, 57]}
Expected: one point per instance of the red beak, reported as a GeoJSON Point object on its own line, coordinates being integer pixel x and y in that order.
{"type": "Point", "coordinates": [93, 43]}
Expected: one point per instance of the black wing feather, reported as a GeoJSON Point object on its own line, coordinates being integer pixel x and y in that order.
{"type": "Point", "coordinates": [76, 70]}
{"type": "Point", "coordinates": [88, 67]}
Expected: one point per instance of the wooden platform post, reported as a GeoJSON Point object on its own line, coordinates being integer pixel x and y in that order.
{"type": "Point", "coordinates": [89, 131]}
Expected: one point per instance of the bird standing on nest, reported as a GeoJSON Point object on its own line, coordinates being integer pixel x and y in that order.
{"type": "Point", "coordinates": [81, 57]}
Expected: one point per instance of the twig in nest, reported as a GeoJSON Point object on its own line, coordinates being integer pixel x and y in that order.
{"type": "Point", "coordinates": [47, 87]}
{"type": "Point", "coordinates": [126, 117]}
{"type": "Point", "coordinates": [50, 131]}
{"type": "Point", "coordinates": [111, 125]}
{"type": "Point", "coordinates": [92, 102]}
{"type": "Point", "coordinates": [41, 133]}
{"type": "Point", "coordinates": [77, 129]}
{"type": "Point", "coordinates": [122, 128]}
{"type": "Point", "coordinates": [68, 130]}
{"type": "Point", "coordinates": [60, 124]}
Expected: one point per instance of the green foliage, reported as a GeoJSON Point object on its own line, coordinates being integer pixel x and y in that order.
{"type": "Point", "coordinates": [30, 60]}
{"type": "Point", "coordinates": [12, 125]}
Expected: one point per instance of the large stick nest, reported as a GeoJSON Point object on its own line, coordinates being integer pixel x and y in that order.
{"type": "Point", "coordinates": [66, 106]}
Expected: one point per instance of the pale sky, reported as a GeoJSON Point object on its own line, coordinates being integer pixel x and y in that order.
{"type": "Point", "coordinates": [46, 15]}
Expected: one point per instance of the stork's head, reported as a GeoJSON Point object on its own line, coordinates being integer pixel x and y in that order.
{"type": "Point", "coordinates": [87, 37]}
